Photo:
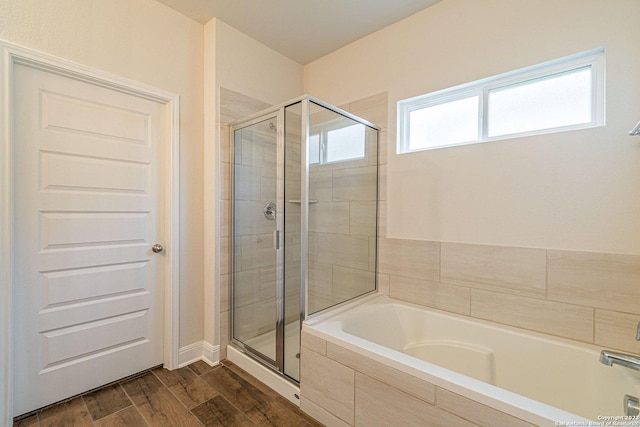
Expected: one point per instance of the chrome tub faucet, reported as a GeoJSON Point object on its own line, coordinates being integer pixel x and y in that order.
{"type": "Point", "coordinates": [611, 358]}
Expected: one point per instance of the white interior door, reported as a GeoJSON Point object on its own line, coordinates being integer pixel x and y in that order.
{"type": "Point", "coordinates": [88, 207]}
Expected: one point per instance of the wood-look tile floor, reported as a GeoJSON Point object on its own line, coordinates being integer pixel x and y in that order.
{"type": "Point", "coordinates": [195, 395]}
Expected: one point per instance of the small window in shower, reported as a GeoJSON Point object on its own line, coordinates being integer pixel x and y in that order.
{"type": "Point", "coordinates": [314, 149]}
{"type": "Point", "coordinates": [333, 144]}
{"type": "Point", "coordinates": [346, 143]}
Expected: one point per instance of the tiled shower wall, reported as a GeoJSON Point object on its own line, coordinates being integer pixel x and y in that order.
{"type": "Point", "coordinates": [342, 224]}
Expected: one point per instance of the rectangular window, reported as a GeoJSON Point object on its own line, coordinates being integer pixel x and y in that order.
{"type": "Point", "coordinates": [345, 143]}
{"type": "Point", "coordinates": [562, 99]}
{"type": "Point", "coordinates": [335, 142]}
{"type": "Point", "coordinates": [314, 149]}
{"type": "Point", "coordinates": [556, 96]}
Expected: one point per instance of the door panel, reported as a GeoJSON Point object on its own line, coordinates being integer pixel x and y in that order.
{"type": "Point", "coordinates": [66, 286]}
{"type": "Point", "coordinates": [78, 115]}
{"type": "Point", "coordinates": [82, 173]}
{"type": "Point", "coordinates": [254, 280]}
{"type": "Point", "coordinates": [89, 206]}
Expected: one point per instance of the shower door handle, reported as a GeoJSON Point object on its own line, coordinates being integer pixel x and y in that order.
{"type": "Point", "coordinates": [276, 239]}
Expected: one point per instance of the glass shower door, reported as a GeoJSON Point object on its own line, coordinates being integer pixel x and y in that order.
{"type": "Point", "coordinates": [255, 257]}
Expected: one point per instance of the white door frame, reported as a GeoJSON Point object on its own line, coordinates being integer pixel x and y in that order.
{"type": "Point", "coordinates": [11, 55]}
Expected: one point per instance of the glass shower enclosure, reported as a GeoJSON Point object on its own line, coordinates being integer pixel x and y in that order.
{"type": "Point", "coordinates": [303, 227]}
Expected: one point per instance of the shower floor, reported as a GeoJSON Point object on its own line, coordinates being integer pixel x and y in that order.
{"type": "Point", "coordinates": [266, 344]}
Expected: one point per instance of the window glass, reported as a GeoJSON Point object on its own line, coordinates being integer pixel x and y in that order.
{"type": "Point", "coordinates": [449, 123]}
{"type": "Point", "coordinates": [555, 101]}
{"type": "Point", "coordinates": [314, 148]}
{"type": "Point", "coordinates": [346, 143]}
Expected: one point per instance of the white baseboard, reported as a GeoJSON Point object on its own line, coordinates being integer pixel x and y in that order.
{"type": "Point", "coordinates": [200, 350]}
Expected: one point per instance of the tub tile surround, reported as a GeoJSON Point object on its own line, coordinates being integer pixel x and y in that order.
{"type": "Point", "coordinates": [613, 329]}
{"type": "Point", "coordinates": [379, 371]}
{"type": "Point", "coordinates": [407, 410]}
{"type": "Point", "coordinates": [410, 258]}
{"type": "Point", "coordinates": [565, 320]}
{"type": "Point", "coordinates": [455, 299]}
{"type": "Point", "coordinates": [378, 394]}
{"type": "Point", "coordinates": [475, 412]}
{"type": "Point", "coordinates": [504, 269]}
{"type": "Point", "coordinates": [585, 296]}
{"type": "Point", "coordinates": [608, 281]}
{"type": "Point", "coordinates": [328, 383]}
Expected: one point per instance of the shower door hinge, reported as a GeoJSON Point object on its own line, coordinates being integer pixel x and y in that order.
{"type": "Point", "coordinates": [276, 239]}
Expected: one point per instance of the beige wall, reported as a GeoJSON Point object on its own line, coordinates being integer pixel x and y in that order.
{"type": "Point", "coordinates": [144, 41]}
{"type": "Point", "coordinates": [247, 66]}
{"type": "Point", "coordinates": [573, 190]}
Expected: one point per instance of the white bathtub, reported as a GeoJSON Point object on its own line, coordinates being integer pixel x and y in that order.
{"type": "Point", "coordinates": [535, 377]}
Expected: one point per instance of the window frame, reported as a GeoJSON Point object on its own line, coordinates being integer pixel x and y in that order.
{"type": "Point", "coordinates": [593, 59]}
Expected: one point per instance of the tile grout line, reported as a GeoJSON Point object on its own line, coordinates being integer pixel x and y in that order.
{"type": "Point", "coordinates": [81, 395]}
{"type": "Point", "coordinates": [199, 376]}
{"type": "Point", "coordinates": [121, 410]}
{"type": "Point", "coordinates": [84, 403]}
{"type": "Point", "coordinates": [230, 403]}
{"type": "Point", "coordinates": [221, 366]}
{"type": "Point", "coordinates": [176, 397]}
{"type": "Point", "coordinates": [271, 400]}
{"type": "Point", "coordinates": [134, 403]}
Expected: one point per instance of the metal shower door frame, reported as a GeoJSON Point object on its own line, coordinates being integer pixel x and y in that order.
{"type": "Point", "coordinates": [278, 115]}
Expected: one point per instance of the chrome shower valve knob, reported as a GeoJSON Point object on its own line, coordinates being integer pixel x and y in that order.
{"type": "Point", "coordinates": [269, 211]}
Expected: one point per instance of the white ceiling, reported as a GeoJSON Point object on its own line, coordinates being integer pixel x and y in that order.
{"type": "Point", "coordinates": [303, 30]}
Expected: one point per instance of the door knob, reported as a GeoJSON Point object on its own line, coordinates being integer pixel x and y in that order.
{"type": "Point", "coordinates": [157, 248]}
